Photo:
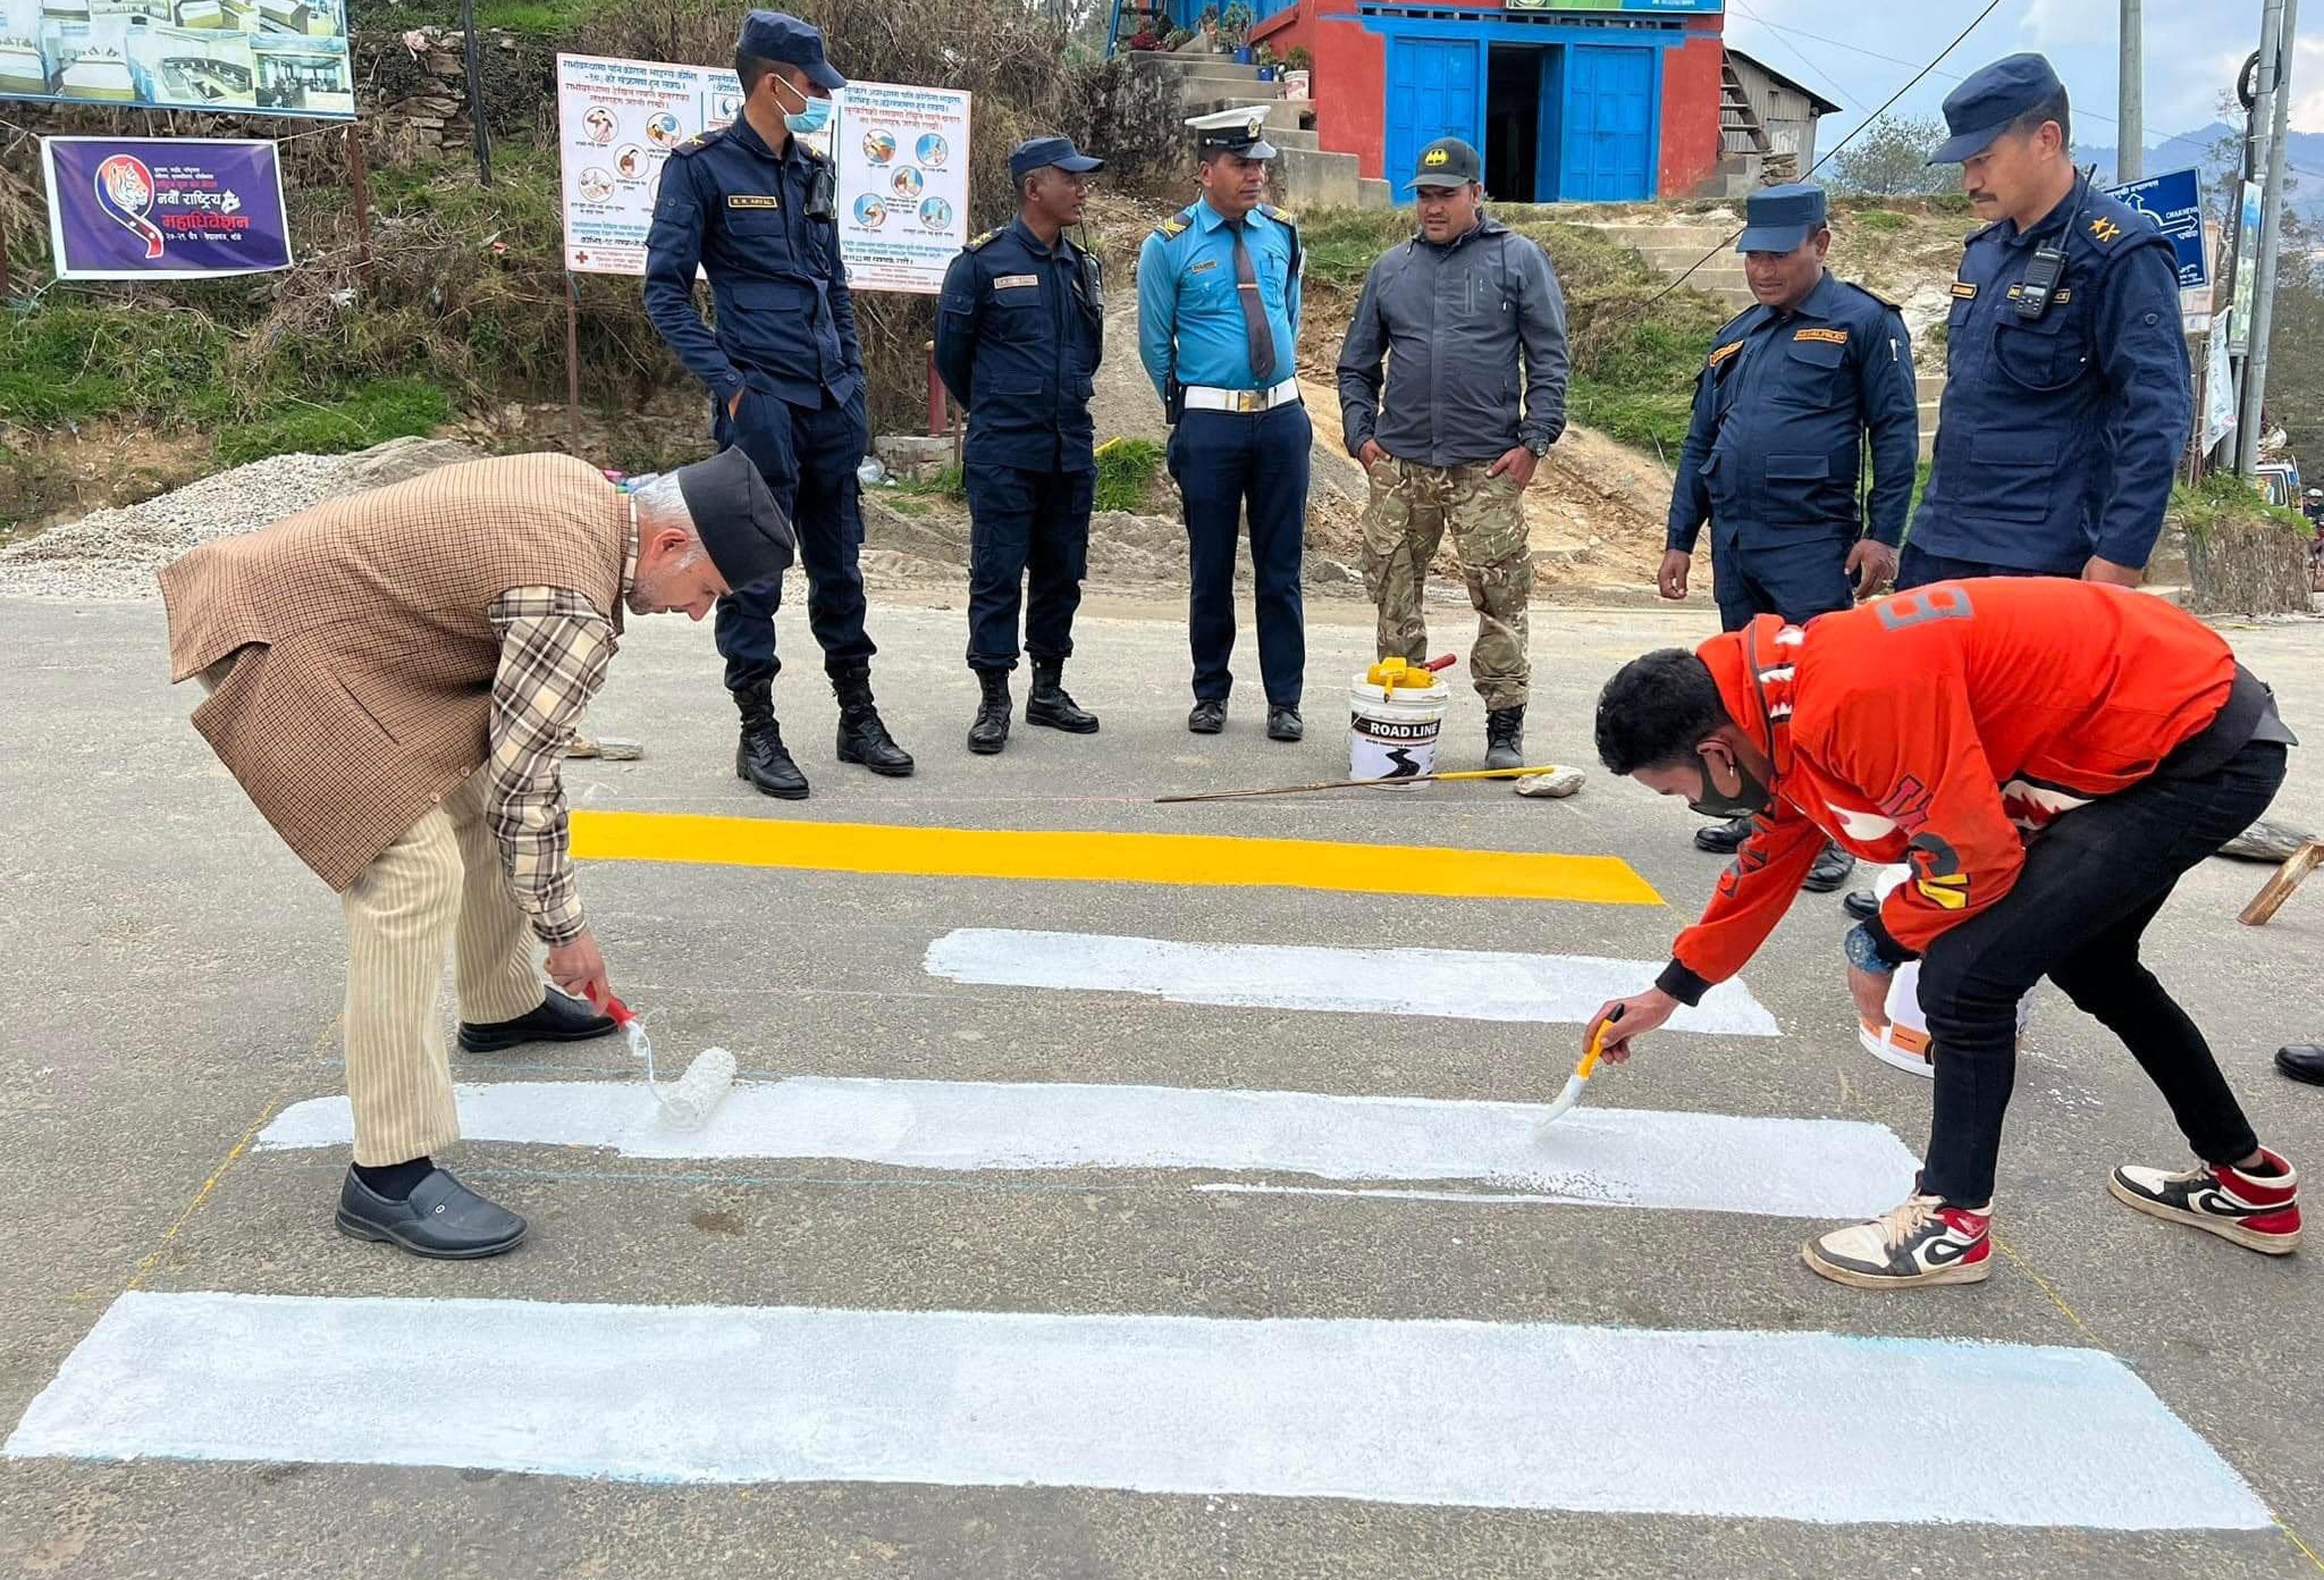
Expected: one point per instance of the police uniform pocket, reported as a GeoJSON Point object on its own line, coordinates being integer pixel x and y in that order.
{"type": "Point", "coordinates": [1811, 373]}
{"type": "Point", "coordinates": [2009, 475]}
{"type": "Point", "coordinates": [2046, 354]}
{"type": "Point", "coordinates": [1798, 469]}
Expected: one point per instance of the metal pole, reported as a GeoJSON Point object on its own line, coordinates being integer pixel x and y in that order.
{"type": "Point", "coordinates": [362, 195]}
{"type": "Point", "coordinates": [2132, 98]}
{"type": "Point", "coordinates": [2275, 90]}
{"type": "Point", "coordinates": [572, 365]}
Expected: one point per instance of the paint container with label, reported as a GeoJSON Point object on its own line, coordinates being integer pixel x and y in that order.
{"type": "Point", "coordinates": [1395, 714]}
{"type": "Point", "coordinates": [1904, 1041]}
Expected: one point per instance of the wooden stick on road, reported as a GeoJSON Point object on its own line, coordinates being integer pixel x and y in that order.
{"type": "Point", "coordinates": [2278, 889]}
{"type": "Point", "coordinates": [1329, 784]}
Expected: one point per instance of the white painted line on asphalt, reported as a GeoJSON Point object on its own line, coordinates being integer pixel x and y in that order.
{"type": "Point", "coordinates": [1711, 1162]}
{"type": "Point", "coordinates": [1464, 984]}
{"type": "Point", "coordinates": [1733, 1425]}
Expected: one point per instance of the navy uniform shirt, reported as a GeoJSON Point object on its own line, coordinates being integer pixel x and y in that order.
{"type": "Point", "coordinates": [1190, 322]}
{"type": "Point", "coordinates": [769, 242]}
{"type": "Point", "coordinates": [1780, 408]}
{"type": "Point", "coordinates": [2058, 439]}
{"type": "Point", "coordinates": [1020, 327]}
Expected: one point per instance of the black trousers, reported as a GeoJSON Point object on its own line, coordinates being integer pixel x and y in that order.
{"type": "Point", "coordinates": [1917, 568]}
{"type": "Point", "coordinates": [808, 457]}
{"type": "Point", "coordinates": [1224, 461]}
{"type": "Point", "coordinates": [2091, 883]}
{"type": "Point", "coordinates": [1025, 527]}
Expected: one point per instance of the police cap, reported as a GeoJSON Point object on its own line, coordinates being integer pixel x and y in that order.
{"type": "Point", "coordinates": [745, 533]}
{"type": "Point", "coordinates": [1034, 152]}
{"type": "Point", "coordinates": [1981, 108]}
{"type": "Point", "coordinates": [784, 38]}
{"type": "Point", "coordinates": [1777, 219]}
{"type": "Point", "coordinates": [1232, 132]}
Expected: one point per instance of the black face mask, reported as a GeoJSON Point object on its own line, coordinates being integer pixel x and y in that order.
{"type": "Point", "coordinates": [1749, 801]}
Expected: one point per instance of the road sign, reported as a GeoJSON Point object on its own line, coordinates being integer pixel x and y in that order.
{"type": "Point", "coordinates": [2175, 200]}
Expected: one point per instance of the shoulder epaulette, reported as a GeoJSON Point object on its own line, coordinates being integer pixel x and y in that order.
{"type": "Point", "coordinates": [1176, 225]}
{"type": "Point", "coordinates": [699, 140]}
{"type": "Point", "coordinates": [987, 239]}
{"type": "Point", "coordinates": [1866, 289]}
{"type": "Point", "coordinates": [1285, 215]}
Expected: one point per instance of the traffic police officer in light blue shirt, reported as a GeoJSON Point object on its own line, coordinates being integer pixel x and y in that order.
{"type": "Point", "coordinates": [755, 209]}
{"type": "Point", "coordinates": [1218, 330]}
{"type": "Point", "coordinates": [1021, 325]}
{"type": "Point", "coordinates": [2068, 395]}
{"type": "Point", "coordinates": [1773, 457]}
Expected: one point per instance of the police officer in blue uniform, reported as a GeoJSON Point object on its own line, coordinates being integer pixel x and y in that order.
{"type": "Point", "coordinates": [1782, 408]}
{"type": "Point", "coordinates": [754, 208]}
{"type": "Point", "coordinates": [1021, 326]}
{"type": "Point", "coordinates": [2068, 396]}
{"type": "Point", "coordinates": [1218, 330]}
{"type": "Point", "coordinates": [2067, 393]}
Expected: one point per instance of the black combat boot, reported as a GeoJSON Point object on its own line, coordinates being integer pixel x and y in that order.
{"type": "Point", "coordinates": [1048, 705]}
{"type": "Point", "coordinates": [990, 733]}
{"type": "Point", "coordinates": [760, 758]}
{"type": "Point", "coordinates": [863, 738]}
{"type": "Point", "coordinates": [1505, 737]}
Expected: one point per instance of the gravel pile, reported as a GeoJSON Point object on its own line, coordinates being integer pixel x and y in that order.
{"type": "Point", "coordinates": [111, 555]}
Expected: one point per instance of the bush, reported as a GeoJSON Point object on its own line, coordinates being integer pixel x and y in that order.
{"type": "Point", "coordinates": [1126, 470]}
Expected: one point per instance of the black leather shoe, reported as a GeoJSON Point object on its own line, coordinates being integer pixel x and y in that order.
{"type": "Point", "coordinates": [1862, 904]}
{"type": "Point", "coordinates": [1832, 865]}
{"type": "Point", "coordinates": [863, 739]}
{"type": "Point", "coordinates": [988, 732]}
{"type": "Point", "coordinates": [1283, 725]}
{"type": "Point", "coordinates": [1725, 838]}
{"type": "Point", "coordinates": [1049, 704]}
{"type": "Point", "coordinates": [561, 1018]}
{"type": "Point", "coordinates": [760, 760]}
{"type": "Point", "coordinates": [2302, 1061]}
{"type": "Point", "coordinates": [1208, 716]}
{"type": "Point", "coordinates": [443, 1219]}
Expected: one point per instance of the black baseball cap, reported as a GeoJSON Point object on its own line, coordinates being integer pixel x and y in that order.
{"type": "Point", "coordinates": [1981, 108]}
{"type": "Point", "coordinates": [1446, 163]}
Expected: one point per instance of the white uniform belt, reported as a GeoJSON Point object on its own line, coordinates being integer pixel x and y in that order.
{"type": "Point", "coordinates": [1204, 398]}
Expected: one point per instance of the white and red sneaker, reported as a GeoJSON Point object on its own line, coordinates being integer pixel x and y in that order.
{"type": "Point", "coordinates": [2260, 1211]}
{"type": "Point", "coordinates": [1922, 1242]}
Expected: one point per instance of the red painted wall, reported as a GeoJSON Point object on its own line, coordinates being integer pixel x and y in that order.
{"type": "Point", "coordinates": [1691, 92]}
{"type": "Point", "coordinates": [1350, 75]}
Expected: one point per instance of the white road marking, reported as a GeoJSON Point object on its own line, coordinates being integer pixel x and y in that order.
{"type": "Point", "coordinates": [1462, 983]}
{"type": "Point", "coordinates": [1731, 1425]}
{"type": "Point", "coordinates": [1708, 1162]}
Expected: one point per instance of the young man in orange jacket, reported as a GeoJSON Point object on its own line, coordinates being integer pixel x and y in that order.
{"type": "Point", "coordinates": [2047, 757]}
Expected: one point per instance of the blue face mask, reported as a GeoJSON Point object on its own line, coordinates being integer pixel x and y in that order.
{"type": "Point", "coordinates": [811, 120]}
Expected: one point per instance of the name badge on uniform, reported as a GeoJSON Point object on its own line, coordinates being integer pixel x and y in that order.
{"type": "Point", "coordinates": [1835, 336]}
{"type": "Point", "coordinates": [1964, 289]}
{"type": "Point", "coordinates": [1205, 263]}
{"type": "Point", "coordinates": [752, 200]}
{"type": "Point", "coordinates": [1016, 282]}
{"type": "Point", "coordinates": [1725, 351]}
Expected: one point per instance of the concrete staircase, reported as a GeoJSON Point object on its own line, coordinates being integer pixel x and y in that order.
{"type": "Point", "coordinates": [1307, 176]}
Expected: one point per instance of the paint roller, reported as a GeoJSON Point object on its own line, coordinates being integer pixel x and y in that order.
{"type": "Point", "coordinates": [687, 1102]}
{"type": "Point", "coordinates": [1564, 1101]}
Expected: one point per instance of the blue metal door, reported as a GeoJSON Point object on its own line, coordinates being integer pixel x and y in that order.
{"type": "Point", "coordinates": [1433, 91]}
{"type": "Point", "coordinates": [1608, 124]}
{"type": "Point", "coordinates": [1550, 135]}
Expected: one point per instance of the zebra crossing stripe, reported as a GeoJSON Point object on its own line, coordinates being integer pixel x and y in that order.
{"type": "Point", "coordinates": [1706, 1162]}
{"type": "Point", "coordinates": [1067, 855]}
{"type": "Point", "coordinates": [1733, 1425]}
{"type": "Point", "coordinates": [1466, 985]}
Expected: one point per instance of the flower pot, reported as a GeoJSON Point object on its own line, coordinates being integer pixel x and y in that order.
{"type": "Point", "coordinates": [1294, 83]}
{"type": "Point", "coordinates": [1266, 73]}
{"type": "Point", "coordinates": [1242, 54]}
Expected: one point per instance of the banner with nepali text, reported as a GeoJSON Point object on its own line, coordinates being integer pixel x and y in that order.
{"type": "Point", "coordinates": [163, 208]}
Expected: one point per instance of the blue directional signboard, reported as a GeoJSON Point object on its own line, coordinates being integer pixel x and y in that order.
{"type": "Point", "coordinates": [2176, 201]}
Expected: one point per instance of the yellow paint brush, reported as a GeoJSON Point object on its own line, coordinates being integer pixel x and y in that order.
{"type": "Point", "coordinates": [1566, 1099]}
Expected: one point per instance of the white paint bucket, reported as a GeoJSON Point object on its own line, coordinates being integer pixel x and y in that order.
{"type": "Point", "coordinates": [1295, 85]}
{"type": "Point", "coordinates": [1392, 729]}
{"type": "Point", "coordinates": [1904, 1041]}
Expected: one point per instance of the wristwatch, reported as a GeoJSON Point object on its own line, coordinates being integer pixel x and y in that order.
{"type": "Point", "coordinates": [1863, 953]}
{"type": "Point", "coordinates": [1536, 450]}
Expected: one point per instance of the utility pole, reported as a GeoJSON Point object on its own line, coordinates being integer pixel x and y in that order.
{"type": "Point", "coordinates": [2277, 24]}
{"type": "Point", "coordinates": [2131, 98]}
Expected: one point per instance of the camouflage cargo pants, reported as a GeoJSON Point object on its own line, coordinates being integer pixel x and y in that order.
{"type": "Point", "coordinates": [1411, 506]}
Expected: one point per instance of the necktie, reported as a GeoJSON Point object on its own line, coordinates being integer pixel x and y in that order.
{"type": "Point", "coordinates": [1254, 312]}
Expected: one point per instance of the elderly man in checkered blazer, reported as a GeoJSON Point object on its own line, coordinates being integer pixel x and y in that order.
{"type": "Point", "coordinates": [394, 677]}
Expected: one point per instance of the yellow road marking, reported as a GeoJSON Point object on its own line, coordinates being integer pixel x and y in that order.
{"type": "Point", "coordinates": [1061, 856]}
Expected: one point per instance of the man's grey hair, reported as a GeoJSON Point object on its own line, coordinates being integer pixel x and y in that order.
{"type": "Point", "coordinates": [661, 507]}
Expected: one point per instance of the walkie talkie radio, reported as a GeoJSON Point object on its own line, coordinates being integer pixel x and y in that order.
{"type": "Point", "coordinates": [2039, 286]}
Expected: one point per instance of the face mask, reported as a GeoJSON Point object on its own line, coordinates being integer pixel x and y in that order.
{"type": "Point", "coordinates": [811, 119]}
{"type": "Point", "coordinates": [1749, 800]}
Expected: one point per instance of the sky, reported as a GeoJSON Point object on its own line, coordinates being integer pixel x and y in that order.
{"type": "Point", "coordinates": [2194, 47]}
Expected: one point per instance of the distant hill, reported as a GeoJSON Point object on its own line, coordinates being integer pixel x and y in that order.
{"type": "Point", "coordinates": [2305, 156]}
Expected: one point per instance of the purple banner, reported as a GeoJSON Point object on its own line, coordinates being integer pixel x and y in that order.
{"type": "Point", "coordinates": [163, 208]}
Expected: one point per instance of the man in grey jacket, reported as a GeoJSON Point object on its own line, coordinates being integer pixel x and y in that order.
{"type": "Point", "coordinates": [1456, 439]}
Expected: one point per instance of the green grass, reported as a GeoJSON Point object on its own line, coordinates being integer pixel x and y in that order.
{"type": "Point", "coordinates": [1878, 219]}
{"type": "Point", "coordinates": [72, 361]}
{"type": "Point", "coordinates": [1126, 470]}
{"type": "Point", "coordinates": [2223, 498]}
{"type": "Point", "coordinates": [394, 408]}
